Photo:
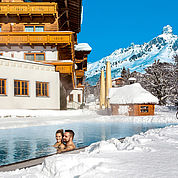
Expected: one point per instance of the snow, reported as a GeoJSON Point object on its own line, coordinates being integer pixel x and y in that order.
{"type": "Point", "coordinates": [82, 47]}
{"type": "Point", "coordinates": [136, 57]}
{"type": "Point", "coordinates": [131, 94]}
{"type": "Point", "coordinates": [123, 110]}
{"type": "Point", "coordinates": [28, 118]}
{"type": "Point", "coordinates": [132, 78]}
{"type": "Point", "coordinates": [167, 29]}
{"type": "Point", "coordinates": [150, 154]}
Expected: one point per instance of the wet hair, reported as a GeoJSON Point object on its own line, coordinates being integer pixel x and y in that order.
{"type": "Point", "coordinates": [71, 132]}
{"type": "Point", "coordinates": [60, 131]}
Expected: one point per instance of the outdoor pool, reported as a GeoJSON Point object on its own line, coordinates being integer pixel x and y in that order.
{"type": "Point", "coordinates": [31, 142]}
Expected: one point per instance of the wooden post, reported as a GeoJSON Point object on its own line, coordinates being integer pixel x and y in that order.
{"type": "Point", "coordinates": [108, 83]}
{"type": "Point", "coordinates": [102, 90]}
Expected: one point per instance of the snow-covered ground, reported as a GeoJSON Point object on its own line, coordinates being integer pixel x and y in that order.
{"type": "Point", "coordinates": [27, 118]}
{"type": "Point", "coordinates": [150, 154]}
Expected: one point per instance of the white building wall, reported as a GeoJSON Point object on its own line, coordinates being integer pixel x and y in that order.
{"type": "Point", "coordinates": [75, 104]}
{"type": "Point", "coordinates": [32, 72]}
{"type": "Point", "coordinates": [17, 52]}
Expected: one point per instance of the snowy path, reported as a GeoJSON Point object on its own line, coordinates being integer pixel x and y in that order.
{"type": "Point", "coordinates": [27, 118]}
{"type": "Point", "coordinates": [149, 155]}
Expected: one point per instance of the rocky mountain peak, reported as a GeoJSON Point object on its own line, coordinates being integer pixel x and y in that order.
{"type": "Point", "coordinates": [137, 57]}
{"type": "Point", "coordinates": [167, 29]}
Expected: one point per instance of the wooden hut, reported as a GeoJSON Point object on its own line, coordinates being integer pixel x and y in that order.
{"type": "Point", "coordinates": [132, 100]}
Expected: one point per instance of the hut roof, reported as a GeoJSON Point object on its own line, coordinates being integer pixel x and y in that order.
{"type": "Point", "coordinates": [131, 94]}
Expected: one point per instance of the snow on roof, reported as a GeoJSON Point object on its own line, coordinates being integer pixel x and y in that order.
{"type": "Point", "coordinates": [131, 94]}
{"type": "Point", "coordinates": [132, 78]}
{"type": "Point", "coordinates": [83, 47]}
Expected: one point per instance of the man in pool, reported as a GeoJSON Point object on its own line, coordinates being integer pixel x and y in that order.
{"type": "Point", "coordinates": [68, 140]}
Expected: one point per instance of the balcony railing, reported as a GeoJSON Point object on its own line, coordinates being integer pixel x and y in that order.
{"type": "Point", "coordinates": [62, 67]}
{"type": "Point", "coordinates": [32, 38]}
{"type": "Point", "coordinates": [24, 8]}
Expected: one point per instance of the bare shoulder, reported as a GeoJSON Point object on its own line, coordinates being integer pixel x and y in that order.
{"type": "Point", "coordinates": [56, 145]}
{"type": "Point", "coordinates": [62, 146]}
{"type": "Point", "coordinates": [72, 146]}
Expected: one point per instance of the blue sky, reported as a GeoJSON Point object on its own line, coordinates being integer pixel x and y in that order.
{"type": "Point", "coordinates": [112, 24]}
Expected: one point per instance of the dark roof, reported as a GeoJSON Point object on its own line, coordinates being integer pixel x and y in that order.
{"type": "Point", "coordinates": [69, 13]}
{"type": "Point", "coordinates": [71, 18]}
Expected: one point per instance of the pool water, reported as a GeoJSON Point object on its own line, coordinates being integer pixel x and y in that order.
{"type": "Point", "coordinates": [32, 142]}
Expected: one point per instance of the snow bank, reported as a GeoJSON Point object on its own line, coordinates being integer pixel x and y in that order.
{"type": "Point", "coordinates": [114, 145]}
{"type": "Point", "coordinates": [131, 94]}
{"type": "Point", "coordinates": [150, 154]}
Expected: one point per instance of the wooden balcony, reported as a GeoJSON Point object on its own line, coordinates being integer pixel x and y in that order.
{"type": "Point", "coordinates": [79, 73]}
{"type": "Point", "coordinates": [23, 12]}
{"type": "Point", "coordinates": [24, 8]}
{"type": "Point", "coordinates": [66, 70]}
{"type": "Point", "coordinates": [62, 67]}
{"type": "Point", "coordinates": [32, 38]}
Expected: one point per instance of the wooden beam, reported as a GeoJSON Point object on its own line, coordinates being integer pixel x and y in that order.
{"type": "Point", "coordinates": [63, 25]}
{"type": "Point", "coordinates": [67, 13]}
{"type": "Point", "coordinates": [62, 14]}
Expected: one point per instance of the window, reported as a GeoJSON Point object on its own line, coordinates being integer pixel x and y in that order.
{"type": "Point", "coordinates": [42, 89]}
{"type": "Point", "coordinates": [79, 98]}
{"type": "Point", "coordinates": [34, 28]}
{"type": "Point", "coordinates": [0, 28]}
{"type": "Point", "coordinates": [71, 98]}
{"type": "Point", "coordinates": [29, 57]}
{"type": "Point", "coordinates": [29, 28]}
{"type": "Point", "coordinates": [35, 56]}
{"type": "Point", "coordinates": [21, 87]}
{"type": "Point", "coordinates": [39, 28]}
{"type": "Point", "coordinates": [144, 109]}
{"type": "Point", "coordinates": [39, 57]}
{"type": "Point", "coordinates": [2, 86]}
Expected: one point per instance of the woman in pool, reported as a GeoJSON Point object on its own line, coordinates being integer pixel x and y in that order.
{"type": "Point", "coordinates": [59, 140]}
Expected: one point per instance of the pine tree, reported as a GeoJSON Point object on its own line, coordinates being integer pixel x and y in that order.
{"type": "Point", "coordinates": [125, 74]}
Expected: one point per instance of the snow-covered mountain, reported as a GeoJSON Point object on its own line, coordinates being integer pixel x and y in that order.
{"type": "Point", "coordinates": [137, 57]}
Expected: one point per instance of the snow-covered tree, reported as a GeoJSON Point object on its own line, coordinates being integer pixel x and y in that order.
{"type": "Point", "coordinates": [160, 80]}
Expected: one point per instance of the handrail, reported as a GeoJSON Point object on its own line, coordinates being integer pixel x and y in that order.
{"type": "Point", "coordinates": [28, 8]}
{"type": "Point", "coordinates": [36, 37]}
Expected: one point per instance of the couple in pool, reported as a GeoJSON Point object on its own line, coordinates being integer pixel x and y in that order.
{"type": "Point", "coordinates": [64, 141]}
